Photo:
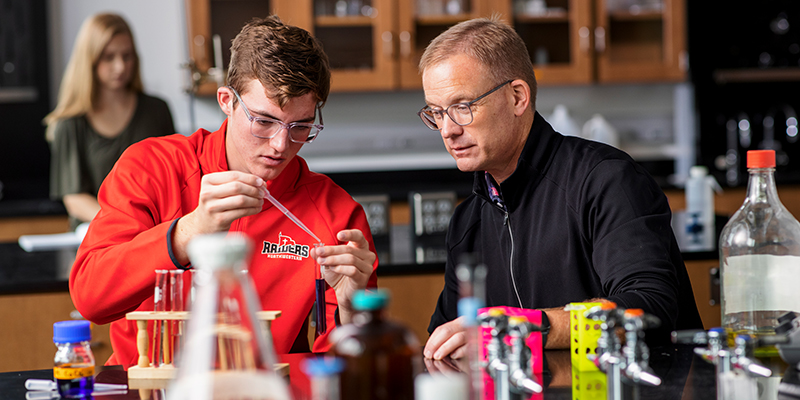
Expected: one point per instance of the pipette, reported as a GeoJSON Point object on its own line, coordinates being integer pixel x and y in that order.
{"type": "Point", "coordinates": [319, 284]}
{"type": "Point", "coordinates": [289, 214]}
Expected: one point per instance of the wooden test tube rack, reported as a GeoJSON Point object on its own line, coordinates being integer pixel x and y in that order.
{"type": "Point", "coordinates": [145, 374]}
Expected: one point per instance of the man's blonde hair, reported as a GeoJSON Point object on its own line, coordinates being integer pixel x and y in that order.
{"type": "Point", "coordinates": [489, 41]}
{"type": "Point", "coordinates": [79, 86]}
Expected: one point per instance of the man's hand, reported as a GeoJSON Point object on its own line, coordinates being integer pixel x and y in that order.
{"type": "Point", "coordinates": [347, 267]}
{"type": "Point", "coordinates": [448, 339]}
{"type": "Point", "coordinates": [224, 197]}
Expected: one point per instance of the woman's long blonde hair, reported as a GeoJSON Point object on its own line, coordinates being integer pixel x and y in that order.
{"type": "Point", "coordinates": [79, 86]}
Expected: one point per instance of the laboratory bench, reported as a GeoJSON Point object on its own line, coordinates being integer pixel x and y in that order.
{"type": "Point", "coordinates": [684, 376]}
{"type": "Point", "coordinates": [34, 294]}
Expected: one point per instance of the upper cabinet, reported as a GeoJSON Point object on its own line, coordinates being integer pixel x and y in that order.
{"type": "Point", "coordinates": [358, 36]}
{"type": "Point", "coordinates": [377, 44]}
{"type": "Point", "coordinates": [584, 41]}
{"type": "Point", "coordinates": [640, 40]}
{"type": "Point", "coordinates": [211, 26]}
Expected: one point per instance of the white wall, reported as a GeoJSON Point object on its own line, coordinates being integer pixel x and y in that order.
{"type": "Point", "coordinates": [159, 28]}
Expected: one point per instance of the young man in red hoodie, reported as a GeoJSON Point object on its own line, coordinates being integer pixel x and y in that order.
{"type": "Point", "coordinates": [163, 192]}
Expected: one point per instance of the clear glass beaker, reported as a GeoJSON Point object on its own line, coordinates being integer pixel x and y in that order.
{"type": "Point", "coordinates": [226, 354]}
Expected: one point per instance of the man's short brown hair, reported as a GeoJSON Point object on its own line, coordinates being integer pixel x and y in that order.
{"type": "Point", "coordinates": [287, 60]}
{"type": "Point", "coordinates": [489, 41]}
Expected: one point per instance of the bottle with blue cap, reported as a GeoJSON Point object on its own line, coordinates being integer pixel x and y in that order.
{"type": "Point", "coordinates": [471, 276]}
{"type": "Point", "coordinates": [74, 361]}
{"type": "Point", "coordinates": [323, 372]}
{"type": "Point", "coordinates": [381, 357]}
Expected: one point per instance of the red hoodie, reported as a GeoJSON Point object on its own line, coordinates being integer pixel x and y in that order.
{"type": "Point", "coordinates": [155, 182]}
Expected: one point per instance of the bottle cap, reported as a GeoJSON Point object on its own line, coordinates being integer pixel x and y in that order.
{"type": "Point", "coordinates": [72, 331]}
{"type": "Point", "coordinates": [468, 308]}
{"type": "Point", "coordinates": [698, 171]}
{"type": "Point", "coordinates": [322, 366]}
{"type": "Point", "coordinates": [634, 312]}
{"type": "Point", "coordinates": [761, 159]}
{"type": "Point", "coordinates": [364, 300]}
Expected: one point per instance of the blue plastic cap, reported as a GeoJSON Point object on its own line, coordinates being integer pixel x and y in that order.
{"type": "Point", "coordinates": [71, 331]}
{"type": "Point", "coordinates": [468, 308]}
{"type": "Point", "coordinates": [322, 366]}
{"type": "Point", "coordinates": [364, 300]}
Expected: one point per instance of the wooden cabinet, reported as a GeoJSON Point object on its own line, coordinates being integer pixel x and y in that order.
{"type": "Point", "coordinates": [584, 41]}
{"type": "Point", "coordinates": [28, 333]}
{"type": "Point", "coordinates": [416, 27]}
{"type": "Point", "coordinates": [12, 228]}
{"type": "Point", "coordinates": [413, 300]}
{"type": "Point", "coordinates": [559, 39]}
{"type": "Point", "coordinates": [641, 45]}
{"type": "Point", "coordinates": [371, 44]}
{"type": "Point", "coordinates": [358, 36]}
{"type": "Point", "coordinates": [206, 19]}
{"type": "Point", "coordinates": [377, 44]}
{"type": "Point", "coordinates": [705, 285]}
{"type": "Point", "coordinates": [378, 47]}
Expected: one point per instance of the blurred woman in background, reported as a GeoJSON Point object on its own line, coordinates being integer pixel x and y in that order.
{"type": "Point", "coordinates": [101, 110]}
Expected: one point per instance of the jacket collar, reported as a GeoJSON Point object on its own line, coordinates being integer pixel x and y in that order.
{"type": "Point", "coordinates": [535, 159]}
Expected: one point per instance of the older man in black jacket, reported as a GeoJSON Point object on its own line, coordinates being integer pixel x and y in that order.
{"type": "Point", "coordinates": [555, 219]}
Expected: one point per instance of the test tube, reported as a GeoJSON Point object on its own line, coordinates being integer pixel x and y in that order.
{"type": "Point", "coordinates": [319, 286]}
{"type": "Point", "coordinates": [177, 303]}
{"type": "Point", "coordinates": [168, 297]}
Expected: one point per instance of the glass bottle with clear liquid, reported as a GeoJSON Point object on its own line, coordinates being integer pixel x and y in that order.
{"type": "Point", "coordinates": [759, 257]}
{"type": "Point", "coordinates": [226, 354]}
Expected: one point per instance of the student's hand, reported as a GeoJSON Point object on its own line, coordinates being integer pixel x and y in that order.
{"type": "Point", "coordinates": [224, 197]}
{"type": "Point", "coordinates": [449, 339]}
{"type": "Point", "coordinates": [347, 267]}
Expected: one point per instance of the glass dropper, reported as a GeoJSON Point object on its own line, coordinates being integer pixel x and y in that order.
{"type": "Point", "coordinates": [319, 283]}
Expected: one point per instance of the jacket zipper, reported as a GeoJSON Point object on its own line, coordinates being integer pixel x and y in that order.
{"type": "Point", "coordinates": [507, 222]}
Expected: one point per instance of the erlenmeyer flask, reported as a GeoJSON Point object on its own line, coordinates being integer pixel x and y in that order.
{"type": "Point", "coordinates": [226, 354]}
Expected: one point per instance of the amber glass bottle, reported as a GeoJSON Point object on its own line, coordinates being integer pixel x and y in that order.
{"type": "Point", "coordinates": [381, 357]}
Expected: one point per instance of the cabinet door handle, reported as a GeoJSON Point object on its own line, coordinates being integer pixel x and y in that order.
{"type": "Point", "coordinates": [405, 44]}
{"type": "Point", "coordinates": [199, 42]}
{"type": "Point", "coordinates": [386, 37]}
{"type": "Point", "coordinates": [583, 34]}
{"type": "Point", "coordinates": [714, 286]}
{"type": "Point", "coordinates": [599, 39]}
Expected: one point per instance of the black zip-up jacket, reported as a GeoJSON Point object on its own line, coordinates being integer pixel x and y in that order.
{"type": "Point", "coordinates": [583, 221]}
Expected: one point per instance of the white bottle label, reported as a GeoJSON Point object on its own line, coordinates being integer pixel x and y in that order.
{"type": "Point", "coordinates": [761, 282]}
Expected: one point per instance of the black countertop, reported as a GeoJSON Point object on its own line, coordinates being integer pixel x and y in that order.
{"type": "Point", "coordinates": [31, 208]}
{"type": "Point", "coordinates": [48, 271]}
{"type": "Point", "coordinates": [35, 272]}
{"type": "Point", "coordinates": [684, 376]}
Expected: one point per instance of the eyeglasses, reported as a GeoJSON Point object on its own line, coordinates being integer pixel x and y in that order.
{"type": "Point", "coordinates": [460, 113]}
{"type": "Point", "coordinates": [267, 128]}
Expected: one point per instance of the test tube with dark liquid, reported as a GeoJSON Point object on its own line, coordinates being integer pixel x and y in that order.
{"type": "Point", "coordinates": [322, 326]}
